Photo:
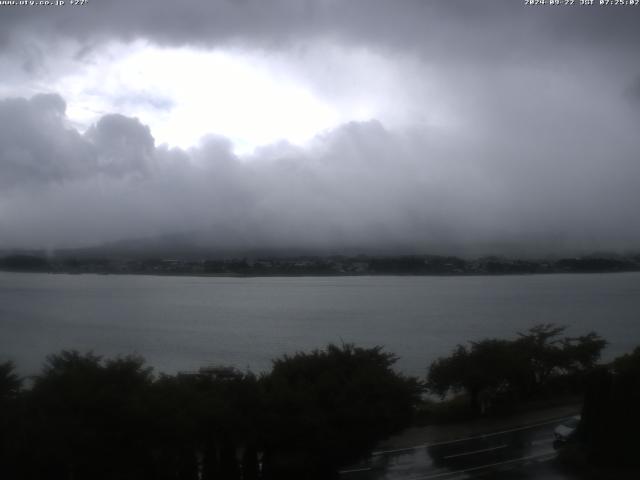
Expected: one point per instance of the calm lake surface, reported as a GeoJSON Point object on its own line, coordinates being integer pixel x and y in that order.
{"type": "Point", "coordinates": [181, 323]}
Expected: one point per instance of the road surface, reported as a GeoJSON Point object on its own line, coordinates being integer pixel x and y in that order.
{"type": "Point", "coordinates": [522, 452]}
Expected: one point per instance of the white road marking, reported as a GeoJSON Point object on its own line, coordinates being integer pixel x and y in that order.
{"type": "Point", "coordinates": [398, 450]}
{"type": "Point", "coordinates": [457, 440]}
{"type": "Point", "coordinates": [354, 470]}
{"type": "Point", "coordinates": [475, 451]}
{"type": "Point", "coordinates": [538, 456]}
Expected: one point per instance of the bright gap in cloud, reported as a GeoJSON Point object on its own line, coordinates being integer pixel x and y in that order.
{"type": "Point", "coordinates": [184, 94]}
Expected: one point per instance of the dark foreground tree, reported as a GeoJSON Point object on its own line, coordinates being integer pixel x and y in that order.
{"type": "Point", "coordinates": [10, 388]}
{"type": "Point", "coordinates": [329, 406]}
{"type": "Point", "coordinates": [10, 382]}
{"type": "Point", "coordinates": [537, 362]}
{"type": "Point", "coordinates": [88, 419]}
{"type": "Point", "coordinates": [611, 418]}
{"type": "Point", "coordinates": [206, 425]}
{"type": "Point", "coordinates": [484, 369]}
{"type": "Point", "coordinates": [547, 355]}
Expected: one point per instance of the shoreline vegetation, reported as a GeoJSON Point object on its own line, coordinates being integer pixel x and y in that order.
{"type": "Point", "coordinates": [88, 417]}
{"type": "Point", "coordinates": [336, 265]}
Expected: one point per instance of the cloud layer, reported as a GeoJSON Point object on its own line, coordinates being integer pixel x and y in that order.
{"type": "Point", "coordinates": [497, 127]}
{"type": "Point", "coordinates": [360, 186]}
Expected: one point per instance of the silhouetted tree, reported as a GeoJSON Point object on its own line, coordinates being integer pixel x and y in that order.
{"type": "Point", "coordinates": [10, 388]}
{"type": "Point", "coordinates": [10, 383]}
{"type": "Point", "coordinates": [610, 416]}
{"type": "Point", "coordinates": [329, 406]}
{"type": "Point", "coordinates": [487, 367]}
{"type": "Point", "coordinates": [89, 418]}
{"type": "Point", "coordinates": [549, 355]}
{"type": "Point", "coordinates": [206, 419]}
{"type": "Point", "coordinates": [514, 369]}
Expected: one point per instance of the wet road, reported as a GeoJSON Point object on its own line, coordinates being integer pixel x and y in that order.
{"type": "Point", "coordinates": [520, 451]}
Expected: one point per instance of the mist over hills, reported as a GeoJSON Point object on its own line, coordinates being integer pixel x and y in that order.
{"type": "Point", "coordinates": [180, 255]}
{"type": "Point", "coordinates": [197, 246]}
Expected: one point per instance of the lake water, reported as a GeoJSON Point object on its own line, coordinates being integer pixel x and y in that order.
{"type": "Point", "coordinates": [181, 323]}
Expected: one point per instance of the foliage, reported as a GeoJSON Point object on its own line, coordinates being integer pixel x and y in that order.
{"type": "Point", "coordinates": [494, 370]}
{"type": "Point", "coordinates": [208, 416]}
{"type": "Point", "coordinates": [329, 406]}
{"type": "Point", "coordinates": [610, 417]}
{"type": "Point", "coordinates": [484, 367]}
{"type": "Point", "coordinates": [10, 389]}
{"type": "Point", "coordinates": [87, 417]}
{"type": "Point", "coordinates": [10, 383]}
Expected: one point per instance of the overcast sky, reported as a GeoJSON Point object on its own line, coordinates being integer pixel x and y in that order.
{"type": "Point", "coordinates": [412, 125]}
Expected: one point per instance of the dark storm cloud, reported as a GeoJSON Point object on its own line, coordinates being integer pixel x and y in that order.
{"type": "Point", "coordinates": [35, 146]}
{"type": "Point", "coordinates": [38, 145]}
{"type": "Point", "coordinates": [543, 153]}
{"type": "Point", "coordinates": [500, 27]}
{"type": "Point", "coordinates": [360, 186]}
{"type": "Point", "coordinates": [122, 145]}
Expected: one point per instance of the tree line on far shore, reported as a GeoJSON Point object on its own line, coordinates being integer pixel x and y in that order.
{"type": "Point", "coordinates": [314, 265]}
{"type": "Point", "coordinates": [88, 417]}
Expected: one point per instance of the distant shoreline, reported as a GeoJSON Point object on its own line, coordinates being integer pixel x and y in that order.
{"type": "Point", "coordinates": [318, 266]}
{"type": "Point", "coordinates": [308, 275]}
